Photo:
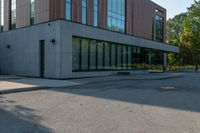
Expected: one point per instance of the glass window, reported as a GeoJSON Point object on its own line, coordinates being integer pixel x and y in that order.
{"type": "Point", "coordinates": [158, 27]}
{"type": "Point", "coordinates": [32, 21]}
{"type": "Point", "coordinates": [93, 55]}
{"type": "Point", "coordinates": [13, 14]}
{"type": "Point", "coordinates": [76, 53]}
{"type": "Point", "coordinates": [2, 15]}
{"type": "Point", "coordinates": [95, 13]}
{"type": "Point", "coordinates": [119, 57]}
{"type": "Point", "coordinates": [129, 57]}
{"type": "Point", "coordinates": [84, 54]}
{"type": "Point", "coordinates": [107, 55]}
{"type": "Point", "coordinates": [124, 58]}
{"type": "Point", "coordinates": [84, 11]}
{"type": "Point", "coordinates": [68, 9]}
{"type": "Point", "coordinates": [100, 55]}
{"type": "Point", "coordinates": [116, 15]}
{"type": "Point", "coordinates": [113, 56]}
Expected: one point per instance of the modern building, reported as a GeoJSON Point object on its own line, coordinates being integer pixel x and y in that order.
{"type": "Point", "coordinates": [82, 38]}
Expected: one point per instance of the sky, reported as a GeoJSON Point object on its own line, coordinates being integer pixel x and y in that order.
{"type": "Point", "coordinates": [174, 7]}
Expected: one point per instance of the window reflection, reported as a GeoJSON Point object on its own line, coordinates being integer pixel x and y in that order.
{"type": "Point", "coordinates": [158, 27]}
{"type": "Point", "coordinates": [116, 15]}
{"type": "Point", "coordinates": [13, 14]}
{"type": "Point", "coordinates": [84, 11]}
{"type": "Point", "coordinates": [68, 9]}
{"type": "Point", "coordinates": [96, 55]}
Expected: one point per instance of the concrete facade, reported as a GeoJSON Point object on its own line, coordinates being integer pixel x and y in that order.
{"type": "Point", "coordinates": [19, 49]}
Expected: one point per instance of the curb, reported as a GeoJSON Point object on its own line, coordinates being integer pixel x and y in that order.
{"type": "Point", "coordinates": [22, 90]}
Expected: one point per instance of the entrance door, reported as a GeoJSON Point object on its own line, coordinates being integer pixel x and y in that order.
{"type": "Point", "coordinates": [42, 58]}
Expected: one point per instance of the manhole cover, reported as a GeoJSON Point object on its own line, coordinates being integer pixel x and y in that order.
{"type": "Point", "coordinates": [169, 88]}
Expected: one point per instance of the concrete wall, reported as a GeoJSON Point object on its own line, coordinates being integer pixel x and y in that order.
{"type": "Point", "coordinates": [22, 58]}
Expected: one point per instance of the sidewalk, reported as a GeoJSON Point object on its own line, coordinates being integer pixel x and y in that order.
{"type": "Point", "coordinates": [13, 84]}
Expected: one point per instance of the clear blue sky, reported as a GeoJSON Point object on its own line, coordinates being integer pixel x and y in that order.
{"type": "Point", "coordinates": [174, 7]}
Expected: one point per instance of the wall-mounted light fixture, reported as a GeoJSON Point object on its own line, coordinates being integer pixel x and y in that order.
{"type": "Point", "coordinates": [7, 46]}
{"type": "Point", "coordinates": [53, 41]}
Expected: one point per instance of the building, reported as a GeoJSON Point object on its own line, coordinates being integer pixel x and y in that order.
{"type": "Point", "coordinates": [82, 38]}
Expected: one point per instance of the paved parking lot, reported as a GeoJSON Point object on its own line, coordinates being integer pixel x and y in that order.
{"type": "Point", "coordinates": [127, 106]}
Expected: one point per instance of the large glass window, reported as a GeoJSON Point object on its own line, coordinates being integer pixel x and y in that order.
{"type": "Point", "coordinates": [100, 55]}
{"type": "Point", "coordinates": [95, 13]}
{"type": "Point", "coordinates": [158, 27]}
{"type": "Point", "coordinates": [13, 14]}
{"type": "Point", "coordinates": [107, 55]}
{"type": "Point", "coordinates": [76, 54]}
{"type": "Point", "coordinates": [32, 21]}
{"type": "Point", "coordinates": [93, 55]}
{"type": "Point", "coordinates": [84, 54]}
{"type": "Point", "coordinates": [113, 56]}
{"type": "Point", "coordinates": [2, 15]}
{"type": "Point", "coordinates": [84, 11]}
{"type": "Point", "coordinates": [116, 15]}
{"type": "Point", "coordinates": [96, 55]}
{"type": "Point", "coordinates": [130, 57]}
{"type": "Point", "coordinates": [119, 57]}
{"type": "Point", "coordinates": [68, 9]}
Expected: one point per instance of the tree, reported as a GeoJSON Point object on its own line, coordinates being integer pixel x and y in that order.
{"type": "Point", "coordinates": [174, 31]}
{"type": "Point", "coordinates": [190, 36]}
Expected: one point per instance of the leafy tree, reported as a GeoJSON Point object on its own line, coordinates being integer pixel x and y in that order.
{"type": "Point", "coordinates": [190, 36]}
{"type": "Point", "coordinates": [174, 31]}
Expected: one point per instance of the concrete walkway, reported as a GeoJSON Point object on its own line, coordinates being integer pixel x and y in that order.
{"type": "Point", "coordinates": [13, 84]}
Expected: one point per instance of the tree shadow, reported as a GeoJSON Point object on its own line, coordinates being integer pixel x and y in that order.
{"type": "Point", "coordinates": [19, 119]}
{"type": "Point", "coordinates": [163, 95]}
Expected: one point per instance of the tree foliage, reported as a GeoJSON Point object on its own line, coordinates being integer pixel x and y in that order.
{"type": "Point", "coordinates": [184, 31]}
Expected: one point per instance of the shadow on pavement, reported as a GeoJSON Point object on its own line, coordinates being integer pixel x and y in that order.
{"type": "Point", "coordinates": [151, 93]}
{"type": "Point", "coordinates": [19, 119]}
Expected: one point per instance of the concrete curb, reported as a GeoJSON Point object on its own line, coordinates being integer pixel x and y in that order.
{"type": "Point", "coordinates": [18, 90]}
